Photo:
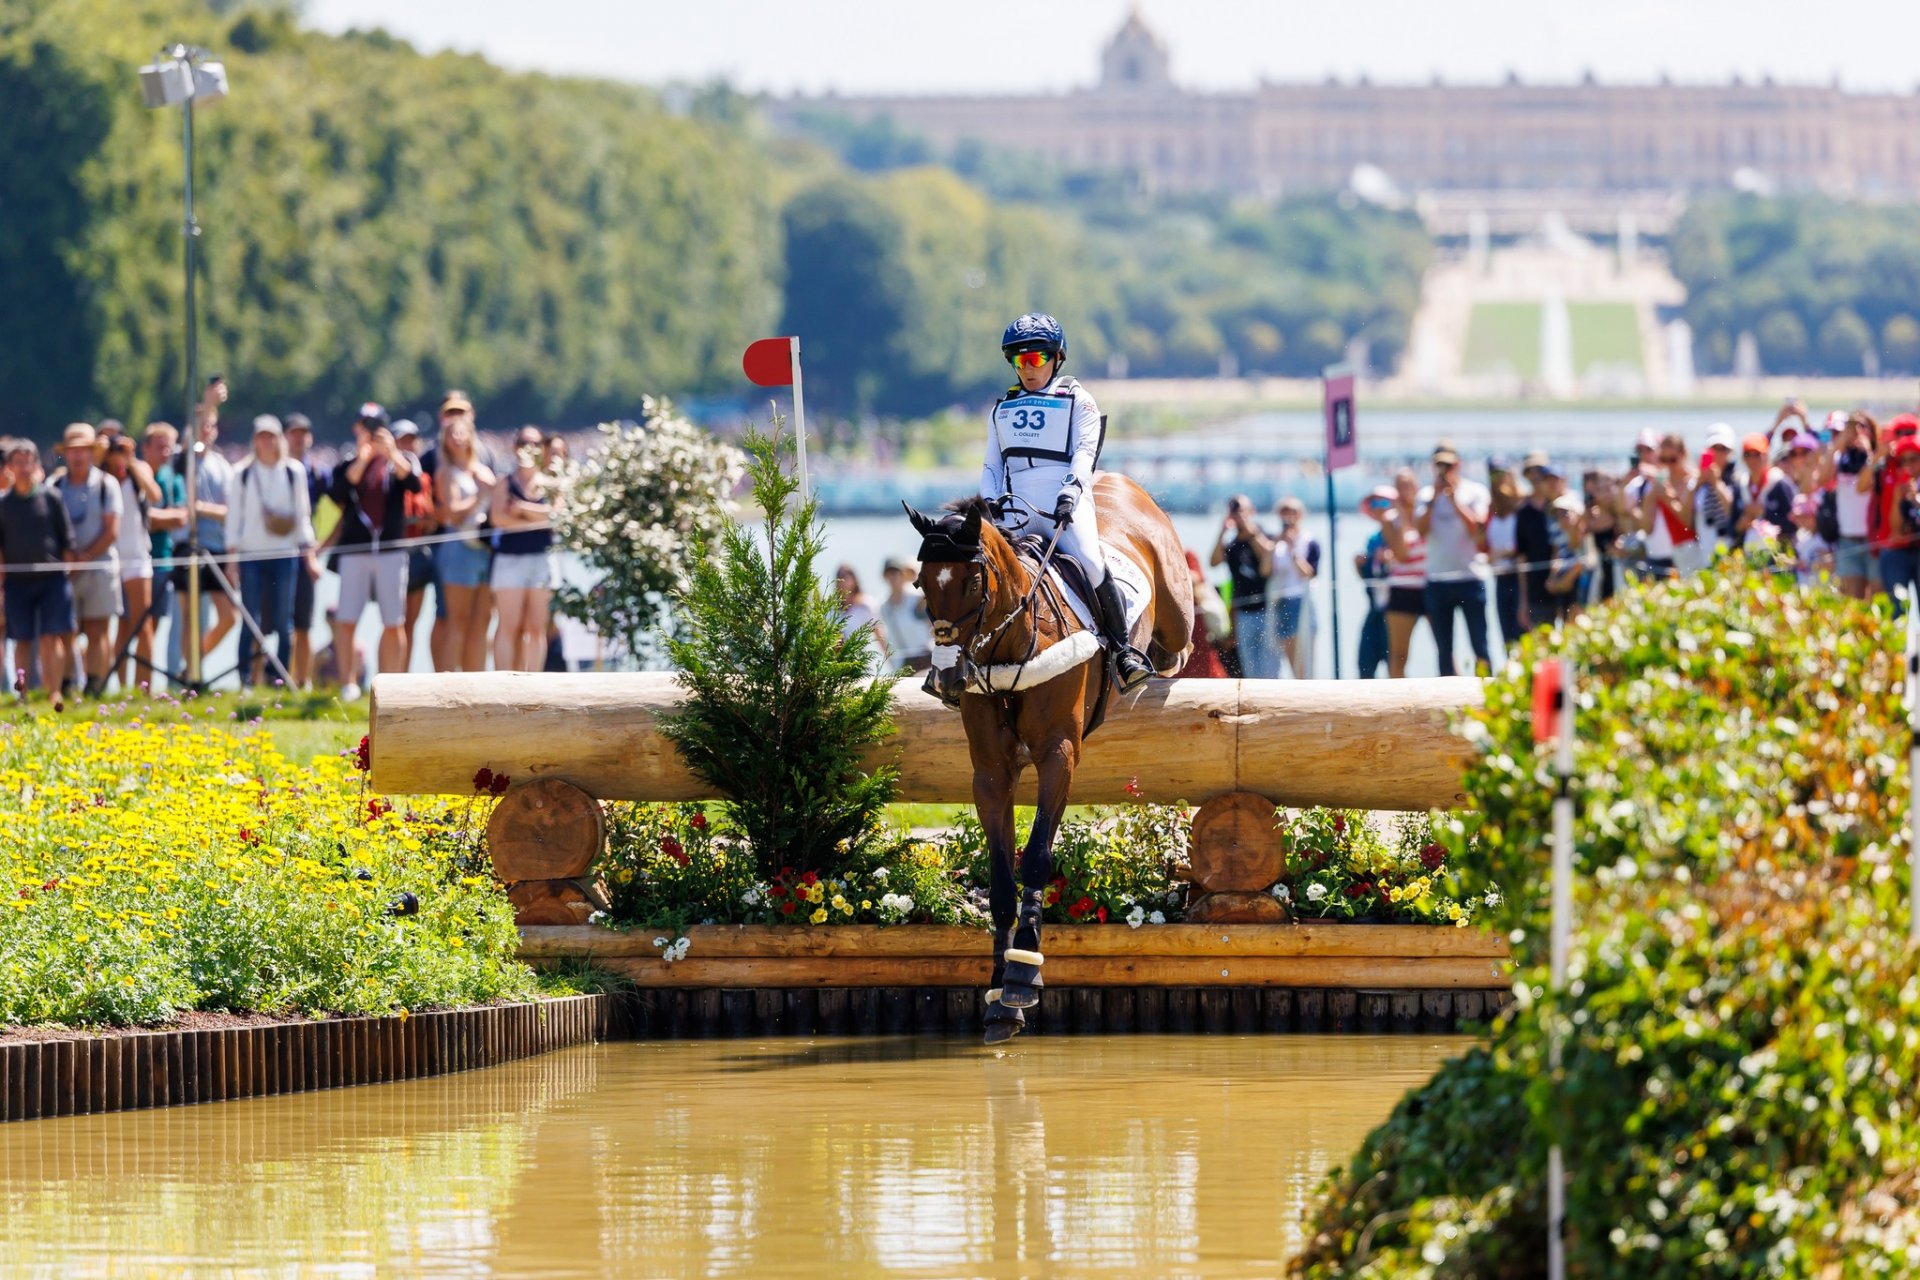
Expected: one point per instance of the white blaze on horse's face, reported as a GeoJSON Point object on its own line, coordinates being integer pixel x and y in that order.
{"type": "Point", "coordinates": [944, 577]}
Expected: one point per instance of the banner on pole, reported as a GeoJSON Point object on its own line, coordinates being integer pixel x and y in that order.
{"type": "Point", "coordinates": [1343, 445]}
{"type": "Point", "coordinates": [769, 362]}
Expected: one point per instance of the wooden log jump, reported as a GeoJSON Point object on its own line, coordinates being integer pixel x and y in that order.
{"type": "Point", "coordinates": [1369, 744]}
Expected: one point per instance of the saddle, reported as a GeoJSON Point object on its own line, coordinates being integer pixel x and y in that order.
{"type": "Point", "coordinates": [1065, 571]}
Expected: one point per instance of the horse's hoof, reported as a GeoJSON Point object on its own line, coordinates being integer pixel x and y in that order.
{"type": "Point", "coordinates": [1003, 1031]}
{"type": "Point", "coordinates": [1018, 995]}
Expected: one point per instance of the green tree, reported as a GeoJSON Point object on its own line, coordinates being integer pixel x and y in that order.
{"type": "Point", "coordinates": [1844, 339]}
{"type": "Point", "coordinates": [1783, 342]}
{"type": "Point", "coordinates": [849, 294]}
{"type": "Point", "coordinates": [1900, 343]}
{"type": "Point", "coordinates": [781, 704]}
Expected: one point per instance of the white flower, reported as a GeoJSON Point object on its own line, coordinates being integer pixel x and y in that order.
{"type": "Point", "coordinates": [1137, 916]}
{"type": "Point", "coordinates": [1315, 892]}
{"type": "Point", "coordinates": [1492, 898]}
{"type": "Point", "coordinates": [1283, 893]}
{"type": "Point", "coordinates": [880, 874]}
{"type": "Point", "coordinates": [752, 896]}
{"type": "Point", "coordinates": [659, 942]}
{"type": "Point", "coordinates": [596, 917]}
{"type": "Point", "coordinates": [678, 951]}
{"type": "Point", "coordinates": [1158, 917]}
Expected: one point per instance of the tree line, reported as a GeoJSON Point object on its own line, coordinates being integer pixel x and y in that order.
{"type": "Point", "coordinates": [1824, 286]}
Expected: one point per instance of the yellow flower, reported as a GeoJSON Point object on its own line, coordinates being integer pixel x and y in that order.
{"type": "Point", "coordinates": [819, 916]}
{"type": "Point", "coordinates": [839, 903]}
{"type": "Point", "coordinates": [816, 892]}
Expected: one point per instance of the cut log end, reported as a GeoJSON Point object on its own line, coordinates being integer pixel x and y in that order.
{"type": "Point", "coordinates": [570, 901]}
{"type": "Point", "coordinates": [545, 830]}
{"type": "Point", "coordinates": [1238, 908]}
{"type": "Point", "coordinates": [1237, 845]}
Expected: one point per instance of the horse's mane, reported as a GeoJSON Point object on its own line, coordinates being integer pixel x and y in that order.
{"type": "Point", "coordinates": [964, 507]}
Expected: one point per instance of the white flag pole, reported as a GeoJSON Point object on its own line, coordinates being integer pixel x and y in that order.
{"type": "Point", "coordinates": [1562, 945]}
{"type": "Point", "coordinates": [1913, 768]}
{"type": "Point", "coordinates": [799, 417]}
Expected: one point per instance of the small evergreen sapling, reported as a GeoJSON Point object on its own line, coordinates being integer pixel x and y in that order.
{"type": "Point", "coordinates": [781, 706]}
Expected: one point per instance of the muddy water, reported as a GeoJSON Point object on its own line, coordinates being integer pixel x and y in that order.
{"type": "Point", "coordinates": [1162, 1156]}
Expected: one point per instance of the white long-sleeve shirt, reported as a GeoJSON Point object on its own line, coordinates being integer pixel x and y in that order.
{"type": "Point", "coordinates": [1073, 438]}
{"type": "Point", "coordinates": [259, 489]}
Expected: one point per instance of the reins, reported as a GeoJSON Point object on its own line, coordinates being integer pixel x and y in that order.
{"type": "Point", "coordinates": [983, 642]}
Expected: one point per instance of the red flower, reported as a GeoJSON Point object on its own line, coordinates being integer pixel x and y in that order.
{"type": "Point", "coordinates": [483, 780]}
{"type": "Point", "coordinates": [809, 879]}
{"type": "Point", "coordinates": [786, 908]}
{"type": "Point", "coordinates": [50, 886]}
{"type": "Point", "coordinates": [246, 835]}
{"type": "Point", "coordinates": [778, 890]}
{"type": "Point", "coordinates": [1339, 824]}
{"type": "Point", "coordinates": [699, 822]}
{"type": "Point", "coordinates": [1101, 914]}
{"type": "Point", "coordinates": [500, 783]}
{"type": "Point", "coordinates": [671, 847]}
{"type": "Point", "coordinates": [1133, 787]}
{"type": "Point", "coordinates": [376, 807]}
{"type": "Point", "coordinates": [1080, 908]}
{"type": "Point", "coordinates": [1432, 857]}
{"type": "Point", "coordinates": [1359, 889]}
{"type": "Point", "coordinates": [363, 754]}
{"type": "Point", "coordinates": [1053, 896]}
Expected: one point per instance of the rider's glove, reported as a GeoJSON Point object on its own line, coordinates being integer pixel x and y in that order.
{"type": "Point", "coordinates": [1063, 507]}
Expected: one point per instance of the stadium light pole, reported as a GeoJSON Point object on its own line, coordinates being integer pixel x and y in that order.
{"type": "Point", "coordinates": [178, 77]}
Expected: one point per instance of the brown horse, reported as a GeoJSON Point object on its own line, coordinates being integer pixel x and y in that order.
{"type": "Point", "coordinates": [1023, 706]}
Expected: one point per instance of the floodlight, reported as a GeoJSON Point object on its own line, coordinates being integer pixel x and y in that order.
{"type": "Point", "coordinates": [168, 83]}
{"type": "Point", "coordinates": [209, 82]}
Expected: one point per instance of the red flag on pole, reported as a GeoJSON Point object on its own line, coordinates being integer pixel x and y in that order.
{"type": "Point", "coordinates": [769, 362]}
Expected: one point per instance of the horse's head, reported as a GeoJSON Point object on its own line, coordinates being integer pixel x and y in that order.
{"type": "Point", "coordinates": [963, 564]}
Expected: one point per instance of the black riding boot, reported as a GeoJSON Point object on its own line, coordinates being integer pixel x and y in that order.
{"type": "Point", "coordinates": [1129, 664]}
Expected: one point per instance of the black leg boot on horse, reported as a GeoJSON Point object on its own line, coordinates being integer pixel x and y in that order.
{"type": "Point", "coordinates": [1004, 1022]}
{"type": "Point", "coordinates": [1131, 669]}
{"type": "Point", "coordinates": [1021, 985]}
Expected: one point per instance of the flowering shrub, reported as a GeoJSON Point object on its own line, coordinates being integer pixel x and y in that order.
{"type": "Point", "coordinates": [1121, 864]}
{"type": "Point", "coordinates": [636, 510]}
{"type": "Point", "coordinates": [1342, 866]}
{"type": "Point", "coordinates": [144, 872]}
{"type": "Point", "coordinates": [1736, 1044]}
{"type": "Point", "coordinates": [667, 866]}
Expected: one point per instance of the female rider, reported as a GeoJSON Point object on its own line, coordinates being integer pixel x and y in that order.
{"type": "Point", "coordinates": [1042, 438]}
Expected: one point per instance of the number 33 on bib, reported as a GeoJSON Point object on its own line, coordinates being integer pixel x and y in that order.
{"type": "Point", "coordinates": [1035, 426]}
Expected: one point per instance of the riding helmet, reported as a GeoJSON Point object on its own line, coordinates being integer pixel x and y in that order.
{"type": "Point", "coordinates": [1034, 331]}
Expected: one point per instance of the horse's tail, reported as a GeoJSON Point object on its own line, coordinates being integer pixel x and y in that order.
{"type": "Point", "coordinates": [1128, 514]}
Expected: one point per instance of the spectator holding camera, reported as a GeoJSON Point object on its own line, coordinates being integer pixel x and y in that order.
{"type": "Point", "coordinates": [1244, 547]}
{"type": "Point", "coordinates": [1452, 519]}
{"type": "Point", "coordinates": [371, 487]}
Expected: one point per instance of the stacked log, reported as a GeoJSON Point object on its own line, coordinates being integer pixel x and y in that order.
{"type": "Point", "coordinates": [543, 838]}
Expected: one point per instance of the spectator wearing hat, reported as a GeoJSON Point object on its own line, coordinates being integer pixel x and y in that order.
{"type": "Point", "coordinates": [299, 436]}
{"type": "Point", "coordinates": [93, 503]}
{"type": "Point", "coordinates": [421, 525]}
{"type": "Point", "coordinates": [1452, 517]}
{"type": "Point", "coordinates": [1767, 497]}
{"type": "Point", "coordinates": [1372, 565]}
{"type": "Point", "coordinates": [370, 488]}
{"type": "Point", "coordinates": [270, 530]}
{"type": "Point", "coordinates": [212, 490]}
{"type": "Point", "coordinates": [1665, 505]}
{"type": "Point", "coordinates": [904, 615]}
{"type": "Point", "coordinates": [36, 542]}
{"type": "Point", "coordinates": [1716, 497]}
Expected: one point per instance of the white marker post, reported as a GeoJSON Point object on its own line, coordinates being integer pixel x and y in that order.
{"type": "Point", "coordinates": [1913, 770]}
{"type": "Point", "coordinates": [1560, 699]}
{"type": "Point", "coordinates": [799, 417]}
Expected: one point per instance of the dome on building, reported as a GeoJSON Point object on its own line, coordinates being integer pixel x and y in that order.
{"type": "Point", "coordinates": [1136, 59]}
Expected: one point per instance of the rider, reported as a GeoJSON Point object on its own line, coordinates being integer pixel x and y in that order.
{"type": "Point", "coordinates": [1042, 438]}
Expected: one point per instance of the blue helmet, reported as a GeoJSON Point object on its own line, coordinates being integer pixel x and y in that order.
{"type": "Point", "coordinates": [1034, 331]}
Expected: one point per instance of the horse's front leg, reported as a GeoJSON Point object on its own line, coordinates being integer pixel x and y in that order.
{"type": "Point", "coordinates": [994, 776]}
{"type": "Point", "coordinates": [1021, 984]}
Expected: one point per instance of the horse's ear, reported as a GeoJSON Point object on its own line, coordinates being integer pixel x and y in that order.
{"type": "Point", "coordinates": [923, 524]}
{"type": "Point", "coordinates": [970, 527]}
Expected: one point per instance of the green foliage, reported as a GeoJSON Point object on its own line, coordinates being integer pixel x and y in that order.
{"type": "Point", "coordinates": [1738, 1043]}
{"type": "Point", "coordinates": [780, 706]}
{"type": "Point", "coordinates": [1817, 281]}
{"type": "Point", "coordinates": [1342, 865]}
{"type": "Point", "coordinates": [635, 512]}
{"type": "Point", "coordinates": [667, 867]}
{"type": "Point", "coordinates": [1120, 864]}
{"type": "Point", "coordinates": [376, 223]}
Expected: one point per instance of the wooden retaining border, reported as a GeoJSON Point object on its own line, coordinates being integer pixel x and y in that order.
{"type": "Point", "coordinates": [768, 980]}
{"type": "Point", "coordinates": [125, 1072]}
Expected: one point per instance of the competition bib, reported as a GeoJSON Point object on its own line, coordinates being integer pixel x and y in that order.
{"type": "Point", "coordinates": [1035, 426]}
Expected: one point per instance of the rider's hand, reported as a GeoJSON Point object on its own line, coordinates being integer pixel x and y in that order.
{"type": "Point", "coordinates": [1063, 508]}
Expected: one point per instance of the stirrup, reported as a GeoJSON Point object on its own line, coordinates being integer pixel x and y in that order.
{"type": "Point", "coordinates": [1130, 668]}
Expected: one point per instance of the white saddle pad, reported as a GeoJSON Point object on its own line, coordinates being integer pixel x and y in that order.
{"type": "Point", "coordinates": [1128, 575]}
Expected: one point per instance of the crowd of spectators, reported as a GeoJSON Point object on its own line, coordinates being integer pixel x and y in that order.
{"type": "Point", "coordinates": [94, 553]}
{"type": "Point", "coordinates": [1837, 505]}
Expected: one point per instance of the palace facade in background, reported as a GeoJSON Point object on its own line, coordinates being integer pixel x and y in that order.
{"type": "Point", "coordinates": [1284, 138]}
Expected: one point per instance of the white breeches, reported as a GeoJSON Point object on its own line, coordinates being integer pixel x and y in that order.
{"type": "Point", "coordinates": [1081, 537]}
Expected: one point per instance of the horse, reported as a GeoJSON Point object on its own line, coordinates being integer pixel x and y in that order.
{"type": "Point", "coordinates": [1023, 706]}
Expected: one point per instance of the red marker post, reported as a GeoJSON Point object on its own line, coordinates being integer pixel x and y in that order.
{"type": "Point", "coordinates": [1553, 725]}
{"type": "Point", "coordinates": [775, 362]}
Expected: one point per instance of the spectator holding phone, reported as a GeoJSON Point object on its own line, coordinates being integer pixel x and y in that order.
{"type": "Point", "coordinates": [1452, 518]}
{"type": "Point", "coordinates": [1666, 513]}
{"type": "Point", "coordinates": [1244, 547]}
{"type": "Point", "coordinates": [1847, 503]}
{"type": "Point", "coordinates": [370, 488]}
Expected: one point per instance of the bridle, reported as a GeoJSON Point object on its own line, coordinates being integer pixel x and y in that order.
{"type": "Point", "coordinates": [984, 637]}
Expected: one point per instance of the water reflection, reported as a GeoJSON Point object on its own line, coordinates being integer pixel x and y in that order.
{"type": "Point", "coordinates": [1168, 1156]}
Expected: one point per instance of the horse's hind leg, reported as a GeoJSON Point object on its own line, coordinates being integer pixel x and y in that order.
{"type": "Point", "coordinates": [1021, 985]}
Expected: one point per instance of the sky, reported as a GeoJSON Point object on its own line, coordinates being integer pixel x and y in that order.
{"type": "Point", "coordinates": [999, 46]}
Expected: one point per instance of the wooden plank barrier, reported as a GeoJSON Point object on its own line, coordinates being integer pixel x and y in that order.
{"type": "Point", "coordinates": [1369, 744]}
{"type": "Point", "coordinates": [124, 1072]}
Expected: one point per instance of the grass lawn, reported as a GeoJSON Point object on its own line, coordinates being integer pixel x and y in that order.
{"type": "Point", "coordinates": [1604, 333]}
{"type": "Point", "coordinates": [1504, 337]}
